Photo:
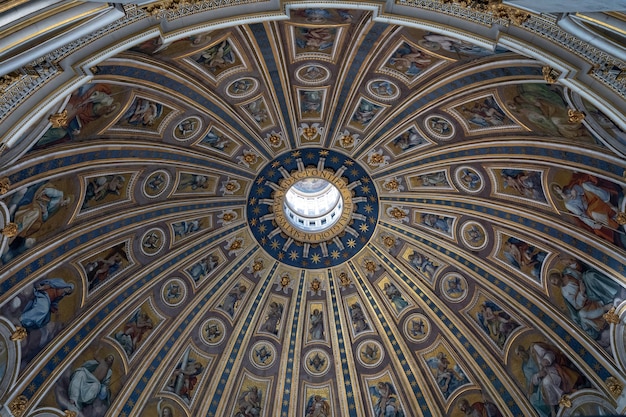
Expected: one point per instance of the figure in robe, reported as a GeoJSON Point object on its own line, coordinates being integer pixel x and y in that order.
{"type": "Point", "coordinates": [47, 295]}
{"type": "Point", "coordinates": [90, 382]}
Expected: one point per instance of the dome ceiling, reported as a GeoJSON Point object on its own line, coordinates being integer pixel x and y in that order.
{"type": "Point", "coordinates": [155, 270]}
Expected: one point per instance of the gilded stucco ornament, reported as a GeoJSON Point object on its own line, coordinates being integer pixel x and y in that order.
{"type": "Point", "coordinates": [59, 120]}
{"type": "Point", "coordinates": [7, 80]}
{"type": "Point", "coordinates": [163, 6]}
{"type": "Point", "coordinates": [19, 334]}
{"type": "Point", "coordinates": [565, 401]}
{"type": "Point", "coordinates": [69, 413]}
{"type": "Point", "coordinates": [495, 7]}
{"type": "Point", "coordinates": [615, 387]}
{"type": "Point", "coordinates": [610, 316]}
{"type": "Point", "coordinates": [550, 75]}
{"type": "Point", "coordinates": [5, 183]}
{"type": "Point", "coordinates": [18, 405]}
{"type": "Point", "coordinates": [575, 116]}
{"type": "Point", "coordinates": [620, 218]}
{"type": "Point", "coordinates": [10, 230]}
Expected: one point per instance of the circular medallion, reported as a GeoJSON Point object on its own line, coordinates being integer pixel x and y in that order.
{"type": "Point", "coordinates": [454, 287]}
{"type": "Point", "coordinates": [473, 235]}
{"type": "Point", "coordinates": [156, 183]}
{"type": "Point", "coordinates": [242, 87]}
{"type": "Point", "coordinates": [212, 331]}
{"type": "Point", "coordinates": [173, 292]}
{"type": "Point", "coordinates": [152, 241]}
{"type": "Point", "coordinates": [312, 74]}
{"type": "Point", "coordinates": [316, 362]}
{"type": "Point", "coordinates": [439, 127]}
{"type": "Point", "coordinates": [417, 327]}
{"type": "Point", "coordinates": [383, 89]}
{"type": "Point", "coordinates": [313, 208]}
{"type": "Point", "coordinates": [187, 128]}
{"type": "Point", "coordinates": [263, 354]}
{"type": "Point", "coordinates": [371, 353]}
{"type": "Point", "coordinates": [469, 179]}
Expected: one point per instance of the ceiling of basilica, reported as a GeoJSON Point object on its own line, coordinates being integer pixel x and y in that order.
{"type": "Point", "coordinates": [155, 269]}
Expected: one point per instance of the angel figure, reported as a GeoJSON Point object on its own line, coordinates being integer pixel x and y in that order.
{"type": "Point", "coordinates": [387, 404]}
{"type": "Point", "coordinates": [317, 406]}
{"type": "Point", "coordinates": [447, 379]}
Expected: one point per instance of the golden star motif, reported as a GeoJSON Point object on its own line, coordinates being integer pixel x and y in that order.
{"type": "Point", "coordinates": [252, 201]}
{"type": "Point", "coordinates": [253, 222]}
{"type": "Point", "coordinates": [262, 228]}
{"type": "Point", "coordinates": [348, 162]}
{"type": "Point", "coordinates": [295, 154]}
{"type": "Point", "coordinates": [316, 258]}
{"type": "Point", "coordinates": [263, 240]}
{"type": "Point", "coordinates": [369, 208]}
{"type": "Point", "coordinates": [260, 190]}
{"type": "Point", "coordinates": [310, 155]}
{"type": "Point", "coordinates": [275, 164]}
{"type": "Point", "coordinates": [365, 189]}
{"type": "Point", "coordinates": [334, 160]}
{"type": "Point", "coordinates": [354, 172]}
{"type": "Point", "coordinates": [351, 243]}
{"type": "Point", "coordinates": [256, 210]}
{"type": "Point", "coordinates": [287, 161]}
{"type": "Point", "coordinates": [260, 180]}
{"type": "Point", "coordinates": [281, 256]}
{"type": "Point", "coordinates": [365, 180]}
{"type": "Point", "coordinates": [334, 254]}
{"type": "Point", "coordinates": [324, 152]}
{"type": "Point", "coordinates": [363, 227]}
{"type": "Point", "coordinates": [275, 244]}
{"type": "Point", "coordinates": [372, 220]}
{"type": "Point", "coordinates": [293, 255]}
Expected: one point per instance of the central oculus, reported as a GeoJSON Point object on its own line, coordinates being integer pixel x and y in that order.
{"type": "Point", "coordinates": [312, 208]}
{"type": "Point", "coordinates": [312, 205]}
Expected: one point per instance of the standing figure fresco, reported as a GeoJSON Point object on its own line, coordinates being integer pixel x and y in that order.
{"type": "Point", "coordinates": [47, 295]}
{"type": "Point", "coordinates": [359, 320]}
{"type": "Point", "coordinates": [543, 107]}
{"type": "Point", "coordinates": [317, 406]}
{"type": "Point", "coordinates": [273, 318]}
{"type": "Point", "coordinates": [90, 382]}
{"type": "Point", "coordinates": [232, 301]}
{"type": "Point", "coordinates": [387, 404]}
{"type": "Point", "coordinates": [593, 203]}
{"type": "Point", "coordinates": [185, 376]}
{"type": "Point", "coordinates": [587, 294]}
{"type": "Point", "coordinates": [249, 402]}
{"type": "Point", "coordinates": [395, 296]}
{"type": "Point", "coordinates": [316, 325]}
{"type": "Point", "coordinates": [30, 208]}
{"type": "Point", "coordinates": [87, 109]}
{"type": "Point", "coordinates": [548, 376]}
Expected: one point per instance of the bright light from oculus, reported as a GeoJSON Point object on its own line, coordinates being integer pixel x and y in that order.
{"type": "Point", "coordinates": [313, 204]}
